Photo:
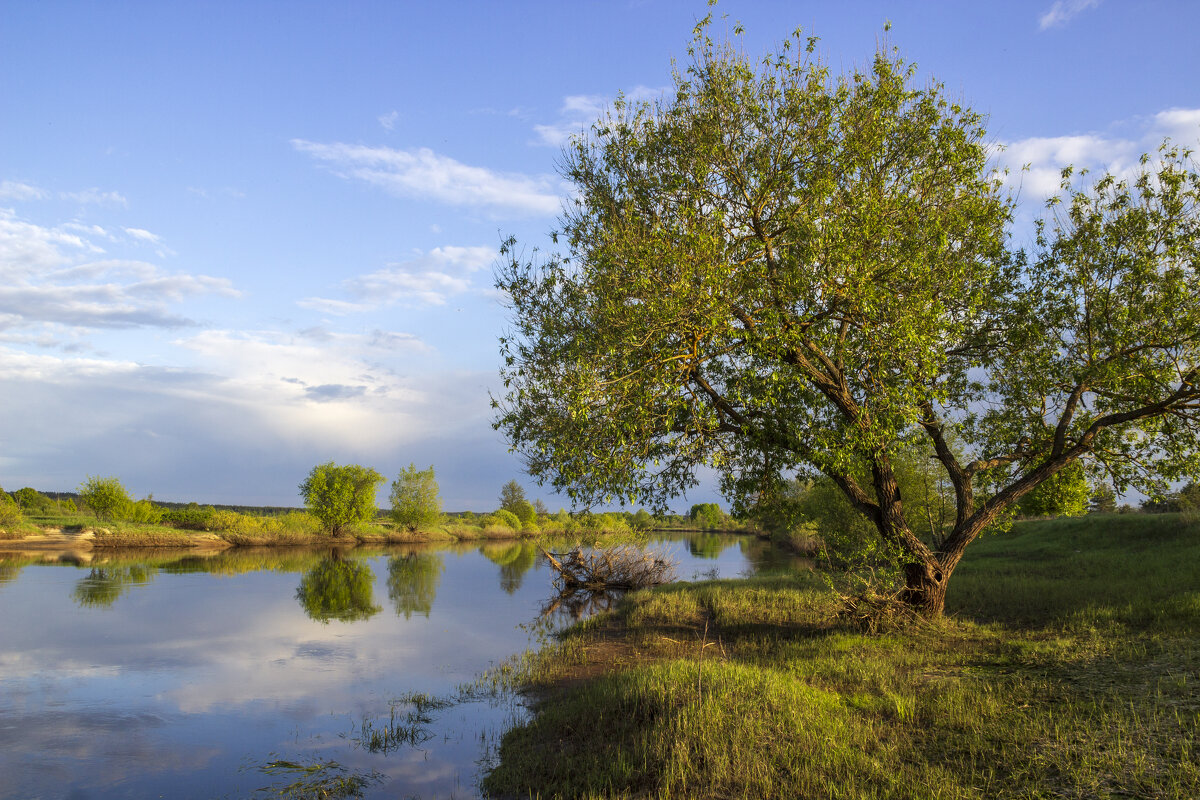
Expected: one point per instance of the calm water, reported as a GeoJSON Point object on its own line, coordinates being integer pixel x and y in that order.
{"type": "Point", "coordinates": [245, 673]}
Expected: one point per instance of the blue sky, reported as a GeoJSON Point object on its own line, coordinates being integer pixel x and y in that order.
{"type": "Point", "coordinates": [238, 239]}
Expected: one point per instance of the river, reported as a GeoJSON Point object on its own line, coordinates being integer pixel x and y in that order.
{"type": "Point", "coordinates": [269, 673]}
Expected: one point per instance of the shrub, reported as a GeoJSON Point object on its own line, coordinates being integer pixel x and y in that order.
{"type": "Point", "coordinates": [143, 511]}
{"type": "Point", "coordinates": [339, 495]}
{"type": "Point", "coordinates": [106, 497]}
{"type": "Point", "coordinates": [10, 512]}
{"type": "Point", "coordinates": [507, 518]}
{"type": "Point", "coordinates": [191, 518]}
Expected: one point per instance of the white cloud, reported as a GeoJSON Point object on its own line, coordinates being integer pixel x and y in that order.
{"type": "Point", "coordinates": [580, 111]}
{"type": "Point", "coordinates": [49, 276]}
{"type": "Point", "coordinates": [13, 190]}
{"type": "Point", "coordinates": [423, 173]}
{"type": "Point", "coordinates": [95, 196]}
{"type": "Point", "coordinates": [1044, 157]}
{"type": "Point", "coordinates": [1063, 11]}
{"type": "Point", "coordinates": [144, 235]}
{"type": "Point", "coordinates": [388, 120]}
{"type": "Point", "coordinates": [428, 279]}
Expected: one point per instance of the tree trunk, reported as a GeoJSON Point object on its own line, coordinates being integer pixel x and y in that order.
{"type": "Point", "coordinates": [925, 589]}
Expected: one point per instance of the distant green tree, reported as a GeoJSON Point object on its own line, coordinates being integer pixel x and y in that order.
{"type": "Point", "coordinates": [707, 515]}
{"type": "Point", "coordinates": [511, 496]}
{"type": "Point", "coordinates": [339, 496]}
{"type": "Point", "coordinates": [413, 582]}
{"type": "Point", "coordinates": [1189, 498]}
{"type": "Point", "coordinates": [641, 521]}
{"type": "Point", "coordinates": [106, 497]}
{"type": "Point", "coordinates": [1103, 500]}
{"type": "Point", "coordinates": [415, 500]}
{"type": "Point", "coordinates": [540, 508]}
{"type": "Point", "coordinates": [1064, 494]}
{"type": "Point", "coordinates": [340, 590]}
{"type": "Point", "coordinates": [31, 500]}
{"type": "Point", "coordinates": [525, 512]}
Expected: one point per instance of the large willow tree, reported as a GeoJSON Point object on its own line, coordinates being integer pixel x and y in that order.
{"type": "Point", "coordinates": [779, 271]}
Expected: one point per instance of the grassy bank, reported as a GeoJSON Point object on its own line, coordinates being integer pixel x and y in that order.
{"type": "Point", "coordinates": [1069, 667]}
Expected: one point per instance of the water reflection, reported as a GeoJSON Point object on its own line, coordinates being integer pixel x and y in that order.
{"type": "Point", "coordinates": [514, 560]}
{"type": "Point", "coordinates": [220, 660]}
{"type": "Point", "coordinates": [708, 545]}
{"type": "Point", "coordinates": [413, 582]}
{"type": "Point", "coordinates": [103, 585]}
{"type": "Point", "coordinates": [338, 589]}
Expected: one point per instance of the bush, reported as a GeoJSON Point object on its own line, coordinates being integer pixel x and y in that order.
{"type": "Point", "coordinates": [507, 518]}
{"type": "Point", "coordinates": [10, 512]}
{"type": "Point", "coordinates": [190, 518]}
{"type": "Point", "coordinates": [106, 497]}
{"type": "Point", "coordinates": [143, 511]}
{"type": "Point", "coordinates": [340, 496]}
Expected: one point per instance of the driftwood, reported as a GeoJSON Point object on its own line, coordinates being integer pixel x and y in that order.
{"type": "Point", "coordinates": [610, 568]}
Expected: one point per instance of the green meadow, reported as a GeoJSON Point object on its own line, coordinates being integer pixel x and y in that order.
{"type": "Point", "coordinates": [1068, 666]}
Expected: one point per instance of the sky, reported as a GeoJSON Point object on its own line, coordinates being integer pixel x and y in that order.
{"type": "Point", "coordinates": [238, 239]}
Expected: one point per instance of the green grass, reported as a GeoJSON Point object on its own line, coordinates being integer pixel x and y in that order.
{"type": "Point", "coordinates": [1069, 666]}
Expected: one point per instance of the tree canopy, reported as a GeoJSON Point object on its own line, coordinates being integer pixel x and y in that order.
{"type": "Point", "coordinates": [340, 495]}
{"type": "Point", "coordinates": [415, 499]}
{"type": "Point", "coordinates": [780, 272]}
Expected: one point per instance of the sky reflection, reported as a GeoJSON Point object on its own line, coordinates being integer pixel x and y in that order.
{"type": "Point", "coordinates": [185, 677]}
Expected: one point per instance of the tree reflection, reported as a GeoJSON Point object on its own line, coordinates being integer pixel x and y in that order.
{"type": "Point", "coordinates": [706, 545]}
{"type": "Point", "coordinates": [514, 560]}
{"type": "Point", "coordinates": [413, 582]}
{"type": "Point", "coordinates": [338, 589]}
{"type": "Point", "coordinates": [103, 585]}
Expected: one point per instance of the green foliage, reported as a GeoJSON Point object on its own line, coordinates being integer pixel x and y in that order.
{"type": "Point", "coordinates": [340, 495]}
{"type": "Point", "coordinates": [31, 500]}
{"type": "Point", "coordinates": [337, 589]}
{"type": "Point", "coordinates": [1103, 500]}
{"type": "Point", "coordinates": [525, 512]}
{"type": "Point", "coordinates": [511, 496]}
{"type": "Point", "coordinates": [415, 500]}
{"type": "Point", "coordinates": [106, 497]}
{"type": "Point", "coordinates": [505, 517]}
{"type": "Point", "coordinates": [1065, 494]}
{"type": "Point", "coordinates": [707, 515]}
{"type": "Point", "coordinates": [642, 520]}
{"type": "Point", "coordinates": [192, 517]}
{"type": "Point", "coordinates": [779, 271]}
{"type": "Point", "coordinates": [10, 512]}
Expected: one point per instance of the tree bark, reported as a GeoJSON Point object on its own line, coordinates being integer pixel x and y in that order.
{"type": "Point", "coordinates": [925, 588]}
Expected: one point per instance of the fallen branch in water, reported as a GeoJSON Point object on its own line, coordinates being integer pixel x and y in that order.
{"type": "Point", "coordinates": [610, 568]}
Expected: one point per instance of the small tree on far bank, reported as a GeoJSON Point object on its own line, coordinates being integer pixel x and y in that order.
{"type": "Point", "coordinates": [106, 497]}
{"type": "Point", "coordinates": [1103, 500]}
{"type": "Point", "coordinates": [340, 495]}
{"type": "Point", "coordinates": [511, 497]}
{"type": "Point", "coordinates": [415, 500]}
{"type": "Point", "coordinates": [707, 515]}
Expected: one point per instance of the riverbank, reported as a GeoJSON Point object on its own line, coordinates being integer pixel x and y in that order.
{"type": "Point", "coordinates": [1068, 666]}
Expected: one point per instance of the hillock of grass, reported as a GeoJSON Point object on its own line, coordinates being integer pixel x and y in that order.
{"type": "Point", "coordinates": [1069, 666]}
